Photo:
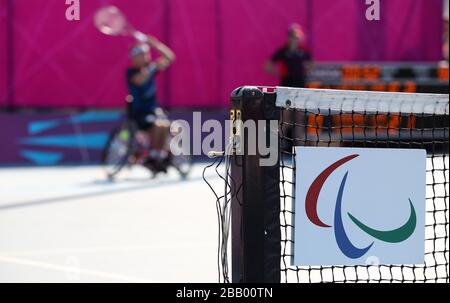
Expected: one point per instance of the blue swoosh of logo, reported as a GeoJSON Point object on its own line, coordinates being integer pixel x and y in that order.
{"type": "Point", "coordinates": [343, 241]}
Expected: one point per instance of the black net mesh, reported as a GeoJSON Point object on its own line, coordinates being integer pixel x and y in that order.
{"type": "Point", "coordinates": [328, 128]}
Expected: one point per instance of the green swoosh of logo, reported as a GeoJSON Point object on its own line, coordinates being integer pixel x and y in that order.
{"type": "Point", "coordinates": [391, 236]}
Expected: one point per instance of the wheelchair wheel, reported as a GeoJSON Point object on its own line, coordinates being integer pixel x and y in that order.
{"type": "Point", "coordinates": [119, 148]}
{"type": "Point", "coordinates": [182, 162]}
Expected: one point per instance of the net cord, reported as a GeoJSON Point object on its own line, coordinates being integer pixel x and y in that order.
{"type": "Point", "coordinates": [361, 101]}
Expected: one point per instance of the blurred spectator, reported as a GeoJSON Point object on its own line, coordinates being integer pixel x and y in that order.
{"type": "Point", "coordinates": [293, 58]}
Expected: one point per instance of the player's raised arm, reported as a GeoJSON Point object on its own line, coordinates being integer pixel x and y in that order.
{"type": "Point", "coordinates": [167, 55]}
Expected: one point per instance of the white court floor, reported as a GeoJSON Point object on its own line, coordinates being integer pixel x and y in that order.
{"type": "Point", "coordinates": [69, 224]}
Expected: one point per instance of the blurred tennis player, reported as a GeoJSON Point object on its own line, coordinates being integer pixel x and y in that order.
{"type": "Point", "coordinates": [293, 57]}
{"type": "Point", "coordinates": [141, 79]}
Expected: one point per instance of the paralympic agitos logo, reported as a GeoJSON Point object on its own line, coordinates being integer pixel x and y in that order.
{"type": "Point", "coordinates": [344, 243]}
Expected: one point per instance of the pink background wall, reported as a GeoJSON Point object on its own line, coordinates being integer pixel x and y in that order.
{"type": "Point", "coordinates": [3, 84]}
{"type": "Point", "coordinates": [220, 44]}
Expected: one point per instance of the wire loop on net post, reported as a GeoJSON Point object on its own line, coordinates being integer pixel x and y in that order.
{"type": "Point", "coordinates": [223, 208]}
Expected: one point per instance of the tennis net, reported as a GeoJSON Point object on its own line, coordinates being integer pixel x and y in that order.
{"type": "Point", "coordinates": [262, 197]}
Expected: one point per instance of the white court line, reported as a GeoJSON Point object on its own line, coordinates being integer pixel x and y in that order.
{"type": "Point", "coordinates": [71, 270]}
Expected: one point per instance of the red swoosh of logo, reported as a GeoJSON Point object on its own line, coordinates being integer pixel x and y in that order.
{"type": "Point", "coordinates": [314, 190]}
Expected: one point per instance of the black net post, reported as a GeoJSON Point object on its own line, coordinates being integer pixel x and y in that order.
{"type": "Point", "coordinates": [255, 205]}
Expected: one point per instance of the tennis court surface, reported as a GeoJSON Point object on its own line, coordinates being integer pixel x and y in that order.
{"type": "Point", "coordinates": [68, 224]}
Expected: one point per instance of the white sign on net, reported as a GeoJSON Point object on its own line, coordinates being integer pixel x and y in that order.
{"type": "Point", "coordinates": [359, 206]}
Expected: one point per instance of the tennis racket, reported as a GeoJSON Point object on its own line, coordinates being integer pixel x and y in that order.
{"type": "Point", "coordinates": [112, 22]}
